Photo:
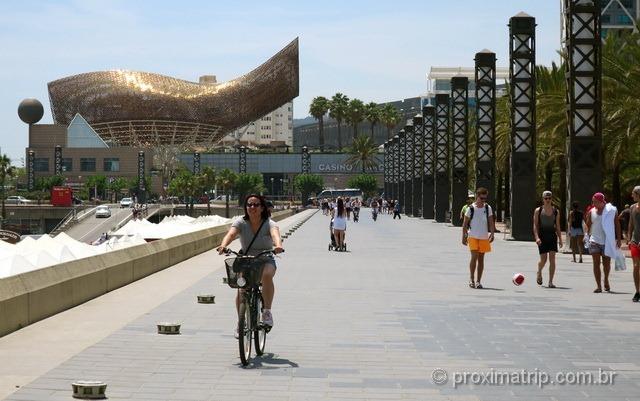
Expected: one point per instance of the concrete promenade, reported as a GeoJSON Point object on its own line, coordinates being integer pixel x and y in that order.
{"type": "Point", "coordinates": [381, 321]}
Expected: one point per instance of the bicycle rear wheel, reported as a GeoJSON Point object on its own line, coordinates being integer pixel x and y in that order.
{"type": "Point", "coordinates": [260, 335]}
{"type": "Point", "coordinates": [244, 331]}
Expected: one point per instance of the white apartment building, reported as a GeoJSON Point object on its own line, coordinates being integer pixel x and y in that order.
{"type": "Point", "coordinates": [274, 130]}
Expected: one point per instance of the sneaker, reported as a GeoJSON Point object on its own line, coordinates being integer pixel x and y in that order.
{"type": "Point", "coordinates": [267, 318]}
{"type": "Point", "coordinates": [636, 297]}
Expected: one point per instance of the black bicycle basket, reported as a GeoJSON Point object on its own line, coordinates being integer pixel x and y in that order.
{"type": "Point", "coordinates": [247, 267]}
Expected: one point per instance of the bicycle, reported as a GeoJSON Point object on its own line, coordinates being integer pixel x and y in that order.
{"type": "Point", "coordinates": [244, 272]}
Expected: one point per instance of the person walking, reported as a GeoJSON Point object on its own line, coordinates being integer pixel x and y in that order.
{"type": "Point", "coordinates": [468, 203]}
{"type": "Point", "coordinates": [396, 210]}
{"type": "Point", "coordinates": [603, 228]}
{"type": "Point", "coordinates": [633, 239]}
{"type": "Point", "coordinates": [546, 231]}
{"type": "Point", "coordinates": [478, 230]}
{"type": "Point", "coordinates": [624, 220]}
{"type": "Point", "coordinates": [339, 215]}
{"type": "Point", "coordinates": [576, 230]}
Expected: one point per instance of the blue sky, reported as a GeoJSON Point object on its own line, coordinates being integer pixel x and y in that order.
{"type": "Point", "coordinates": [375, 51]}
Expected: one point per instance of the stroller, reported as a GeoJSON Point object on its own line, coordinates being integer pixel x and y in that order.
{"type": "Point", "coordinates": [333, 245]}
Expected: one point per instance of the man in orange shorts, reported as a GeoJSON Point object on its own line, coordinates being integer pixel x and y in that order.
{"type": "Point", "coordinates": [477, 232]}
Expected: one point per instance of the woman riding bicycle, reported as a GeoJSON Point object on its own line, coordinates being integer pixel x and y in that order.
{"type": "Point", "coordinates": [257, 223]}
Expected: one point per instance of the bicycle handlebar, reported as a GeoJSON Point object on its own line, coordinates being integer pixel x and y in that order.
{"type": "Point", "coordinates": [228, 251]}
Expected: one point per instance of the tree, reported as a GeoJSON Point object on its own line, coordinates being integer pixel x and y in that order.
{"type": "Point", "coordinates": [390, 117]}
{"type": "Point", "coordinates": [620, 105]}
{"type": "Point", "coordinates": [96, 184]}
{"type": "Point", "coordinates": [364, 153]}
{"type": "Point", "coordinates": [207, 181]}
{"type": "Point", "coordinates": [246, 184]}
{"type": "Point", "coordinates": [355, 115]}
{"type": "Point", "coordinates": [46, 183]}
{"type": "Point", "coordinates": [226, 179]}
{"type": "Point", "coordinates": [308, 184]}
{"type": "Point", "coordinates": [166, 161]}
{"type": "Point", "coordinates": [372, 113]}
{"type": "Point", "coordinates": [6, 171]}
{"type": "Point", "coordinates": [116, 186]}
{"type": "Point", "coordinates": [185, 185]}
{"type": "Point", "coordinates": [318, 109]}
{"type": "Point", "coordinates": [338, 111]}
{"type": "Point", "coordinates": [367, 183]}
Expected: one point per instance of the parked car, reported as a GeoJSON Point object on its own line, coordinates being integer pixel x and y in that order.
{"type": "Point", "coordinates": [126, 202]}
{"type": "Point", "coordinates": [16, 200]}
{"type": "Point", "coordinates": [103, 211]}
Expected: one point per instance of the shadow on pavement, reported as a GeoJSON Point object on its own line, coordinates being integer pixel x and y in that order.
{"type": "Point", "coordinates": [268, 361]}
{"type": "Point", "coordinates": [490, 289]}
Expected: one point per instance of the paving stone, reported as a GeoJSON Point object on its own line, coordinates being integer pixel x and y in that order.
{"type": "Point", "coordinates": [374, 323]}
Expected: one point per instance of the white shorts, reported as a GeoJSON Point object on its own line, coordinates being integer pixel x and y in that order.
{"type": "Point", "coordinates": [340, 225]}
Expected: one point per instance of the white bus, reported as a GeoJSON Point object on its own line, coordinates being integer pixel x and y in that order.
{"type": "Point", "coordinates": [344, 193]}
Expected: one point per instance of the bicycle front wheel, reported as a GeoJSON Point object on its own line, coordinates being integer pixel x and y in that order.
{"type": "Point", "coordinates": [244, 332]}
{"type": "Point", "coordinates": [260, 336]}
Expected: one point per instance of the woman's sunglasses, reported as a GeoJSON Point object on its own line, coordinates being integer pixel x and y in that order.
{"type": "Point", "coordinates": [252, 204]}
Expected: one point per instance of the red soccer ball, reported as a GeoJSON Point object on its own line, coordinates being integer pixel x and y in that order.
{"type": "Point", "coordinates": [518, 278]}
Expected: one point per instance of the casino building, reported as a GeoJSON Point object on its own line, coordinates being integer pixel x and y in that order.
{"type": "Point", "coordinates": [115, 123]}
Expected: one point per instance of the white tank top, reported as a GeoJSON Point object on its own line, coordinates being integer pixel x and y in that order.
{"type": "Point", "coordinates": [597, 231]}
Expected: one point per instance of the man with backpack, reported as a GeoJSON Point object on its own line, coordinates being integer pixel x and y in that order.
{"type": "Point", "coordinates": [478, 230]}
{"type": "Point", "coordinates": [546, 231]}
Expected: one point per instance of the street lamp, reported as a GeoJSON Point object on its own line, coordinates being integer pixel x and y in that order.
{"type": "Point", "coordinates": [272, 186]}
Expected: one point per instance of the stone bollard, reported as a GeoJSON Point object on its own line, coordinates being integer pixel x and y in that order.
{"type": "Point", "coordinates": [206, 299]}
{"type": "Point", "coordinates": [89, 390]}
{"type": "Point", "coordinates": [168, 328]}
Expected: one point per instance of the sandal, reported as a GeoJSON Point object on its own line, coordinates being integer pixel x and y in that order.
{"type": "Point", "coordinates": [551, 286]}
{"type": "Point", "coordinates": [607, 289]}
{"type": "Point", "coordinates": [478, 285]}
{"type": "Point", "coordinates": [597, 290]}
{"type": "Point", "coordinates": [472, 284]}
{"type": "Point", "coordinates": [539, 280]}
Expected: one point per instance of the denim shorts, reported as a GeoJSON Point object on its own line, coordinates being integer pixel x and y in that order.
{"type": "Point", "coordinates": [596, 249]}
{"type": "Point", "coordinates": [575, 231]}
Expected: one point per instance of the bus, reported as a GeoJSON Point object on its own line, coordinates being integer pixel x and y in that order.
{"type": "Point", "coordinates": [352, 193]}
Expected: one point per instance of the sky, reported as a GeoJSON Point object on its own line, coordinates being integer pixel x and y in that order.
{"type": "Point", "coordinates": [372, 50]}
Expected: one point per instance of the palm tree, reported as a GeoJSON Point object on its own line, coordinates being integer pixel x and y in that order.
{"type": "Point", "coordinates": [551, 127]}
{"type": "Point", "coordinates": [207, 180]}
{"type": "Point", "coordinates": [502, 149]}
{"type": "Point", "coordinates": [390, 117]}
{"type": "Point", "coordinates": [338, 111]}
{"type": "Point", "coordinates": [621, 121]}
{"type": "Point", "coordinates": [355, 115]}
{"type": "Point", "coordinates": [318, 109]}
{"type": "Point", "coordinates": [364, 153]}
{"type": "Point", "coordinates": [6, 171]}
{"type": "Point", "coordinates": [372, 113]}
{"type": "Point", "coordinates": [226, 179]}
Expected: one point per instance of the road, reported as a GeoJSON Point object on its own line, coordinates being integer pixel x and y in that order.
{"type": "Point", "coordinates": [91, 227]}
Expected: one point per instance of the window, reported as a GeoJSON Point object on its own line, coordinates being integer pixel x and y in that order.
{"type": "Point", "coordinates": [111, 164]}
{"type": "Point", "coordinates": [87, 164]}
{"type": "Point", "coordinates": [67, 164]}
{"type": "Point", "coordinates": [41, 164]}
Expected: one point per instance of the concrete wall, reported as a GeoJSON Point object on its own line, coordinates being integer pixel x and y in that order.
{"type": "Point", "coordinates": [36, 295]}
